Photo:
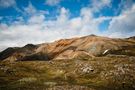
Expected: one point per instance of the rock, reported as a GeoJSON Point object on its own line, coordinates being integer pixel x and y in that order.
{"type": "Point", "coordinates": [28, 79]}
{"type": "Point", "coordinates": [106, 51]}
{"type": "Point", "coordinates": [50, 83]}
{"type": "Point", "coordinates": [87, 69]}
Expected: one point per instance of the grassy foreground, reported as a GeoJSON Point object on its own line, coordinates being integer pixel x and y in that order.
{"type": "Point", "coordinates": [100, 73]}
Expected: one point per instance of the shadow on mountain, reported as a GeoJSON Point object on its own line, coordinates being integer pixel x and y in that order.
{"type": "Point", "coordinates": [35, 57]}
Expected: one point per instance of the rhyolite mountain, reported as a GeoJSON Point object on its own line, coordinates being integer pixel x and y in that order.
{"type": "Point", "coordinates": [91, 46]}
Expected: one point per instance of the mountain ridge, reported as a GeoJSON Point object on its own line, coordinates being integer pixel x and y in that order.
{"type": "Point", "coordinates": [91, 45]}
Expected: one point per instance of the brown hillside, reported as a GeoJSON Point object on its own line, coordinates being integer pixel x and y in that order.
{"type": "Point", "coordinates": [92, 46]}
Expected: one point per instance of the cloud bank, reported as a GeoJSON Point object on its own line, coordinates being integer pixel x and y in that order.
{"type": "Point", "coordinates": [123, 25]}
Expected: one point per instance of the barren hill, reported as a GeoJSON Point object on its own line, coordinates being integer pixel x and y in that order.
{"type": "Point", "coordinates": [92, 46]}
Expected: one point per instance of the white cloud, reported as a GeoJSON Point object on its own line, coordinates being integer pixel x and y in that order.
{"type": "Point", "coordinates": [97, 5]}
{"type": "Point", "coordinates": [30, 9]}
{"type": "Point", "coordinates": [7, 3]}
{"type": "Point", "coordinates": [39, 30]}
{"type": "Point", "coordinates": [3, 26]}
{"type": "Point", "coordinates": [86, 13]}
{"type": "Point", "coordinates": [64, 15]}
{"type": "Point", "coordinates": [123, 25]}
{"type": "Point", "coordinates": [52, 2]}
{"type": "Point", "coordinates": [76, 23]}
{"type": "Point", "coordinates": [37, 19]}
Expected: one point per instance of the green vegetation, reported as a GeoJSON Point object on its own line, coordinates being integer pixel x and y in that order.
{"type": "Point", "coordinates": [99, 73]}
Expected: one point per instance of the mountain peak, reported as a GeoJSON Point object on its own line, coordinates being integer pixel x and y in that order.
{"type": "Point", "coordinates": [133, 38]}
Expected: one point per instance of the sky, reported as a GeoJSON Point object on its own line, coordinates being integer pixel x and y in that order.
{"type": "Point", "coordinates": [40, 21]}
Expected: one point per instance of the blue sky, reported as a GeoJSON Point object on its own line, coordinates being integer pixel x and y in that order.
{"type": "Point", "coordinates": [38, 21]}
{"type": "Point", "coordinates": [74, 6]}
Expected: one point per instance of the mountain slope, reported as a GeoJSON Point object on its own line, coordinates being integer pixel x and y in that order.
{"type": "Point", "coordinates": [92, 46]}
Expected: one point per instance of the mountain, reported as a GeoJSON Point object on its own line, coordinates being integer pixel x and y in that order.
{"type": "Point", "coordinates": [90, 46]}
{"type": "Point", "coordinates": [131, 38]}
{"type": "Point", "coordinates": [81, 63]}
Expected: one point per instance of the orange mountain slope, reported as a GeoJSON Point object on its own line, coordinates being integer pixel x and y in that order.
{"type": "Point", "coordinates": [92, 46]}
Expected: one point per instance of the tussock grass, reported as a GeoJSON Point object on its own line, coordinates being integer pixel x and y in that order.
{"type": "Point", "coordinates": [110, 72]}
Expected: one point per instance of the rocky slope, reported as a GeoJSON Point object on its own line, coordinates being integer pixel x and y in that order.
{"type": "Point", "coordinates": [91, 46]}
